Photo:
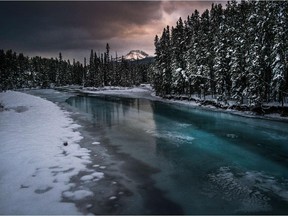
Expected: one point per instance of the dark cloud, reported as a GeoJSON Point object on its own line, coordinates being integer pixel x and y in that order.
{"type": "Point", "coordinates": [64, 24]}
{"type": "Point", "coordinates": [50, 27]}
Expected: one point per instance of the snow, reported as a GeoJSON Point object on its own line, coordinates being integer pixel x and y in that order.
{"type": "Point", "coordinates": [117, 90]}
{"type": "Point", "coordinates": [35, 166]}
{"type": "Point", "coordinates": [86, 178]}
{"type": "Point", "coordinates": [112, 198]}
{"type": "Point", "coordinates": [135, 54]}
{"type": "Point", "coordinates": [146, 91]}
{"type": "Point", "coordinates": [77, 195]}
{"type": "Point", "coordinates": [94, 176]}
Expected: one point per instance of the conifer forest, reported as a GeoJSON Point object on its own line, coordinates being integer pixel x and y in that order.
{"type": "Point", "coordinates": [19, 71]}
{"type": "Point", "coordinates": [238, 52]}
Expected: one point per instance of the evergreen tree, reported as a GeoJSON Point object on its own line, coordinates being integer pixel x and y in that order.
{"type": "Point", "coordinates": [240, 45]}
{"type": "Point", "coordinates": [222, 59]}
{"type": "Point", "coordinates": [192, 54]}
{"type": "Point", "coordinates": [106, 77]}
{"type": "Point", "coordinates": [280, 53]}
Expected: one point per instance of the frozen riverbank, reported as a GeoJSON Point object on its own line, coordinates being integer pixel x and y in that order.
{"type": "Point", "coordinates": [268, 111]}
{"type": "Point", "coordinates": [146, 161]}
{"type": "Point", "coordinates": [35, 166]}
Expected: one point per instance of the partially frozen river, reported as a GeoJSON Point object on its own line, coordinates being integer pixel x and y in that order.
{"type": "Point", "coordinates": [172, 159]}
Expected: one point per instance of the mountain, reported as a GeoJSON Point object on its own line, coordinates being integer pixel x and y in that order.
{"type": "Point", "coordinates": [136, 55]}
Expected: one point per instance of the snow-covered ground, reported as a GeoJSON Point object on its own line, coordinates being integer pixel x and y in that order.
{"type": "Point", "coordinates": [146, 91]}
{"type": "Point", "coordinates": [35, 166]}
{"type": "Point", "coordinates": [140, 91]}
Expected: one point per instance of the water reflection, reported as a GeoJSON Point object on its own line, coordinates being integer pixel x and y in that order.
{"type": "Point", "coordinates": [105, 110]}
{"type": "Point", "coordinates": [202, 155]}
{"type": "Point", "coordinates": [126, 120]}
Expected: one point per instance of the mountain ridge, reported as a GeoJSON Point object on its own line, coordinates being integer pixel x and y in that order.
{"type": "Point", "coordinates": [134, 55]}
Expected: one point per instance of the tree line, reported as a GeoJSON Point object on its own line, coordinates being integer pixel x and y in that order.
{"type": "Point", "coordinates": [239, 53]}
{"type": "Point", "coordinates": [19, 71]}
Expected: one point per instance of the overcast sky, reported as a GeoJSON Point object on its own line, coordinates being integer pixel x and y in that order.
{"type": "Point", "coordinates": [74, 28]}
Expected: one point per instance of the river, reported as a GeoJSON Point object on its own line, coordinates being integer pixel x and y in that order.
{"type": "Point", "coordinates": [174, 159]}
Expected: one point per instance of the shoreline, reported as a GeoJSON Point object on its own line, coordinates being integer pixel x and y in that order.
{"type": "Point", "coordinates": [246, 114]}
{"type": "Point", "coordinates": [118, 191]}
{"type": "Point", "coordinates": [119, 185]}
{"type": "Point", "coordinates": [146, 92]}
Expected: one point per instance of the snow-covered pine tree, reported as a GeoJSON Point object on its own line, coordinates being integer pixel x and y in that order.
{"type": "Point", "coordinates": [106, 75]}
{"type": "Point", "coordinates": [178, 64]}
{"type": "Point", "coordinates": [280, 53]}
{"type": "Point", "coordinates": [191, 56]}
{"type": "Point", "coordinates": [240, 45]}
{"type": "Point", "coordinates": [222, 59]}
{"type": "Point", "coordinates": [59, 70]}
{"type": "Point", "coordinates": [163, 63]}
{"type": "Point", "coordinates": [23, 67]}
{"type": "Point", "coordinates": [255, 56]}
{"type": "Point", "coordinates": [3, 71]}
{"type": "Point", "coordinates": [204, 73]}
{"type": "Point", "coordinates": [91, 70]}
{"type": "Point", "coordinates": [84, 73]}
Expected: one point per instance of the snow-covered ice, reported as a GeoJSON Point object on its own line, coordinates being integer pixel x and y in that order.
{"type": "Point", "coordinates": [127, 91]}
{"type": "Point", "coordinates": [112, 198]}
{"type": "Point", "coordinates": [77, 195]}
{"type": "Point", "coordinates": [94, 176]}
{"type": "Point", "coordinates": [35, 166]}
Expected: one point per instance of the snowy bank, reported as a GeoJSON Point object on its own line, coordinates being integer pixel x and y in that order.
{"type": "Point", "coordinates": [35, 166]}
{"type": "Point", "coordinates": [136, 91]}
{"type": "Point", "coordinates": [272, 111]}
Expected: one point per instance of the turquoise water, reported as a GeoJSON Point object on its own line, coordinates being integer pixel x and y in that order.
{"type": "Point", "coordinates": [208, 162]}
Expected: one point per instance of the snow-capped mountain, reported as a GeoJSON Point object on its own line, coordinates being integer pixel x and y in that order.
{"type": "Point", "coordinates": [136, 55]}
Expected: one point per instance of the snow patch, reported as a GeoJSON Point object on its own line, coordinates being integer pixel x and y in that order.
{"type": "Point", "coordinates": [171, 135]}
{"type": "Point", "coordinates": [232, 136]}
{"type": "Point", "coordinates": [35, 167]}
{"type": "Point", "coordinates": [94, 176]}
{"type": "Point", "coordinates": [86, 178]}
{"type": "Point", "coordinates": [77, 195]}
{"type": "Point", "coordinates": [112, 198]}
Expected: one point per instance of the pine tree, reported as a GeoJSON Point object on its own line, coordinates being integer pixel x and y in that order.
{"type": "Point", "coordinates": [163, 74]}
{"type": "Point", "coordinates": [84, 73]}
{"type": "Point", "coordinates": [255, 87]}
{"type": "Point", "coordinates": [216, 14]}
{"type": "Point", "coordinates": [191, 56]}
{"type": "Point", "coordinates": [279, 54]}
{"type": "Point", "coordinates": [240, 45]}
{"type": "Point", "coordinates": [3, 71]}
{"type": "Point", "coordinates": [106, 77]}
{"type": "Point", "coordinates": [222, 59]}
